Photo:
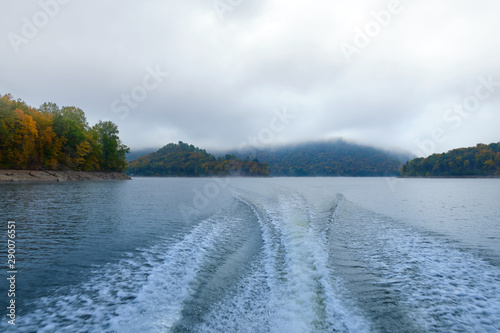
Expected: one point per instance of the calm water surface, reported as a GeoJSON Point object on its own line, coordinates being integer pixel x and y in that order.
{"type": "Point", "coordinates": [254, 255]}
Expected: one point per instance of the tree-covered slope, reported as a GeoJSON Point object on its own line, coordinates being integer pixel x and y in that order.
{"type": "Point", "coordinates": [332, 158]}
{"type": "Point", "coordinates": [188, 161]}
{"type": "Point", "coordinates": [54, 138]}
{"type": "Point", "coordinates": [482, 160]}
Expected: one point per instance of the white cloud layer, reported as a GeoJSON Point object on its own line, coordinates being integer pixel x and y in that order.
{"type": "Point", "coordinates": [385, 73]}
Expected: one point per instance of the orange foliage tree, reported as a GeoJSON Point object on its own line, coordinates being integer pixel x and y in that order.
{"type": "Point", "coordinates": [54, 138]}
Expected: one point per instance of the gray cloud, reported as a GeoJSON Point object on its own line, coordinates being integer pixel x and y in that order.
{"type": "Point", "coordinates": [226, 76]}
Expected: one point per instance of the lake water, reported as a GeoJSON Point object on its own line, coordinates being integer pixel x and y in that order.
{"type": "Point", "coordinates": [254, 255]}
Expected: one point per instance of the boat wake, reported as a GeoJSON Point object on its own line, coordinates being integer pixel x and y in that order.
{"type": "Point", "coordinates": [283, 262]}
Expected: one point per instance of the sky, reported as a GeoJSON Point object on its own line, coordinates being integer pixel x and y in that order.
{"type": "Point", "coordinates": [415, 75]}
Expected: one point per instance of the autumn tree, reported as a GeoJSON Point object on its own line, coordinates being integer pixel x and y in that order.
{"type": "Point", "coordinates": [71, 124]}
{"type": "Point", "coordinates": [482, 160]}
{"type": "Point", "coordinates": [24, 141]}
{"type": "Point", "coordinates": [112, 152]}
{"type": "Point", "coordinates": [56, 138]}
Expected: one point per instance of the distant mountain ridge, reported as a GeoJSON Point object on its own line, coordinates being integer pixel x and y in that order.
{"type": "Point", "coordinates": [135, 154]}
{"type": "Point", "coordinates": [330, 158]}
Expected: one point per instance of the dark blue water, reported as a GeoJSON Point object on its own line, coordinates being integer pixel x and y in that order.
{"type": "Point", "coordinates": [254, 255]}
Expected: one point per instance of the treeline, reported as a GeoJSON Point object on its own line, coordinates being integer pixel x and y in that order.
{"type": "Point", "coordinates": [482, 160]}
{"type": "Point", "coordinates": [54, 138]}
{"type": "Point", "coordinates": [185, 160]}
{"type": "Point", "coordinates": [333, 158]}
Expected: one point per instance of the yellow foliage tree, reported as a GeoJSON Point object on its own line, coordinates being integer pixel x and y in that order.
{"type": "Point", "coordinates": [24, 140]}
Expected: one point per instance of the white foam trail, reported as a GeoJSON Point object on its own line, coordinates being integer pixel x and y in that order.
{"type": "Point", "coordinates": [142, 293]}
{"type": "Point", "coordinates": [443, 287]}
{"type": "Point", "coordinates": [313, 292]}
{"type": "Point", "coordinates": [449, 289]}
{"type": "Point", "coordinates": [245, 310]}
{"type": "Point", "coordinates": [159, 303]}
{"type": "Point", "coordinates": [302, 296]}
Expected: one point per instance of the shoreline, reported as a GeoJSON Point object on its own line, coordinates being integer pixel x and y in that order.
{"type": "Point", "coordinates": [16, 176]}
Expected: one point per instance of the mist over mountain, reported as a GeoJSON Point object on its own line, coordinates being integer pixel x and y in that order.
{"type": "Point", "coordinates": [329, 158]}
{"type": "Point", "coordinates": [135, 154]}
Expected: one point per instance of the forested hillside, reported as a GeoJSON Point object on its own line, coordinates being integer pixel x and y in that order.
{"type": "Point", "coordinates": [54, 138]}
{"type": "Point", "coordinates": [334, 158]}
{"type": "Point", "coordinates": [482, 160]}
{"type": "Point", "coordinates": [186, 160]}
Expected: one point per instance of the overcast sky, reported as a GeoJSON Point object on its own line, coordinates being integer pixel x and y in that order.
{"type": "Point", "coordinates": [418, 75]}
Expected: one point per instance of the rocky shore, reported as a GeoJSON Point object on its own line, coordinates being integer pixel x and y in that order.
{"type": "Point", "coordinates": [58, 176]}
